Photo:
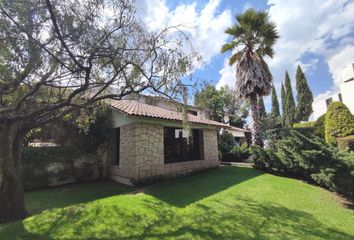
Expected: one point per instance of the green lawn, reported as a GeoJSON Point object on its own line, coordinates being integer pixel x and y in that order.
{"type": "Point", "coordinates": [229, 203]}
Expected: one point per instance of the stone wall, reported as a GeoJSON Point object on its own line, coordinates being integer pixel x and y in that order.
{"type": "Point", "coordinates": [142, 155]}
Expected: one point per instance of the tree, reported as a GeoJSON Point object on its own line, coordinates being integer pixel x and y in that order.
{"type": "Point", "coordinates": [221, 102]}
{"type": "Point", "coordinates": [275, 104]}
{"type": "Point", "coordinates": [304, 97]}
{"type": "Point", "coordinates": [61, 56]}
{"type": "Point", "coordinates": [253, 37]}
{"type": "Point", "coordinates": [262, 109]}
{"type": "Point", "coordinates": [283, 102]}
{"type": "Point", "coordinates": [290, 108]}
{"type": "Point", "coordinates": [218, 102]}
{"type": "Point", "coordinates": [339, 122]}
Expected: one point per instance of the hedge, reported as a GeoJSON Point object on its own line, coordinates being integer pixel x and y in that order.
{"type": "Point", "coordinates": [346, 143]}
{"type": "Point", "coordinates": [339, 122]}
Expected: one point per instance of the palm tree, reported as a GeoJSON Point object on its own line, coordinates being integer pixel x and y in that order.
{"type": "Point", "coordinates": [253, 37]}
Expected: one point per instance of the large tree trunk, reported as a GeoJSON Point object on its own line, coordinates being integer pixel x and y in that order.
{"type": "Point", "coordinates": [256, 121]}
{"type": "Point", "coordinates": [12, 203]}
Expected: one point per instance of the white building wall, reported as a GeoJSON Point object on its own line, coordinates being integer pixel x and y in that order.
{"type": "Point", "coordinates": [320, 107]}
{"type": "Point", "coordinates": [347, 91]}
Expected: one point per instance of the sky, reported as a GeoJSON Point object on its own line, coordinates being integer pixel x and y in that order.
{"type": "Point", "coordinates": [318, 35]}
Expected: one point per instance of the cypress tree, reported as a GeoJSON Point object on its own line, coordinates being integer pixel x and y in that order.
{"type": "Point", "coordinates": [304, 97]}
{"type": "Point", "coordinates": [262, 110]}
{"type": "Point", "coordinates": [283, 104]}
{"type": "Point", "coordinates": [290, 108]}
{"type": "Point", "coordinates": [275, 104]}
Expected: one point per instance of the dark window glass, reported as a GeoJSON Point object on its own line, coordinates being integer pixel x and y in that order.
{"type": "Point", "coordinates": [114, 146]}
{"type": "Point", "coordinates": [192, 112]}
{"type": "Point", "coordinates": [340, 97]}
{"type": "Point", "coordinates": [178, 147]}
{"type": "Point", "coordinates": [329, 101]}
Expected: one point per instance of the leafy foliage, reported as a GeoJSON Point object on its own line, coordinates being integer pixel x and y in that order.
{"type": "Point", "coordinates": [226, 142]}
{"type": "Point", "coordinates": [311, 159]}
{"type": "Point", "coordinates": [237, 154]}
{"type": "Point", "coordinates": [289, 103]}
{"type": "Point", "coordinates": [220, 102]}
{"type": "Point", "coordinates": [304, 97]}
{"type": "Point", "coordinates": [346, 143]}
{"type": "Point", "coordinates": [283, 104]}
{"type": "Point", "coordinates": [320, 126]}
{"type": "Point", "coordinates": [304, 124]}
{"type": "Point", "coordinates": [275, 104]}
{"type": "Point", "coordinates": [339, 122]}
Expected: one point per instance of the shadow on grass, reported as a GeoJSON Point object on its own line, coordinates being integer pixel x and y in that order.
{"type": "Point", "coordinates": [212, 219]}
{"type": "Point", "coordinates": [57, 197]}
{"type": "Point", "coordinates": [184, 191]}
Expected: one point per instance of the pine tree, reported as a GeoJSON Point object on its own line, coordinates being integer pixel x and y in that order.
{"type": "Point", "coordinates": [304, 97]}
{"type": "Point", "coordinates": [283, 104]}
{"type": "Point", "coordinates": [290, 108]}
{"type": "Point", "coordinates": [275, 104]}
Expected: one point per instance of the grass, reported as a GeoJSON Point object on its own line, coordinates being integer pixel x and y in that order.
{"type": "Point", "coordinates": [229, 203]}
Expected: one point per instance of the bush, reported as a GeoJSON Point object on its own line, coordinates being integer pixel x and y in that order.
{"type": "Point", "coordinates": [304, 125]}
{"type": "Point", "coordinates": [310, 159]}
{"type": "Point", "coordinates": [267, 160]}
{"type": "Point", "coordinates": [346, 143]}
{"type": "Point", "coordinates": [226, 143]}
{"type": "Point", "coordinates": [339, 122]}
{"type": "Point", "coordinates": [320, 126]}
{"type": "Point", "coordinates": [274, 135]}
{"type": "Point", "coordinates": [237, 154]}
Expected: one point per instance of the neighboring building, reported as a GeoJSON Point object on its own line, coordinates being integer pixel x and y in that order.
{"type": "Point", "coordinates": [345, 95]}
{"type": "Point", "coordinates": [148, 140]}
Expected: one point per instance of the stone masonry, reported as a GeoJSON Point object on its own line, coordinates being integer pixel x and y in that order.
{"type": "Point", "coordinates": [142, 155]}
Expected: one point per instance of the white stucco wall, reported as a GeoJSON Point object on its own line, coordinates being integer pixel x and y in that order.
{"type": "Point", "coordinates": [347, 90]}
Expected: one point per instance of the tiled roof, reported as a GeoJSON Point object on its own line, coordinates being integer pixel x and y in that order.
{"type": "Point", "coordinates": [238, 129]}
{"type": "Point", "coordinates": [136, 108]}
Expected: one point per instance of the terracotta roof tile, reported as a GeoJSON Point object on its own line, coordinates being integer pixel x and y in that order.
{"type": "Point", "coordinates": [136, 108]}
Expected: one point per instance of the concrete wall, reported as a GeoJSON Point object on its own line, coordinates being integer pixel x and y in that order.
{"type": "Point", "coordinates": [142, 155]}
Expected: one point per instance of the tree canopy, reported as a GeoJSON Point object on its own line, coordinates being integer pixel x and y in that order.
{"type": "Point", "coordinates": [221, 102]}
{"type": "Point", "coordinates": [60, 56]}
{"type": "Point", "coordinates": [304, 97]}
{"type": "Point", "coordinates": [289, 103]}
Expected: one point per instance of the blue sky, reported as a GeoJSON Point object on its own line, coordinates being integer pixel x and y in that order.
{"type": "Point", "coordinates": [317, 34]}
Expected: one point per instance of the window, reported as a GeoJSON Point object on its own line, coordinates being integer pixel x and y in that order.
{"type": "Point", "coordinates": [179, 147]}
{"type": "Point", "coordinates": [192, 112]}
{"type": "Point", "coordinates": [329, 101]}
{"type": "Point", "coordinates": [340, 97]}
{"type": "Point", "coordinates": [114, 146]}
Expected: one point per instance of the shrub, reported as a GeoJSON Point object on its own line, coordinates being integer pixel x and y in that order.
{"type": "Point", "coordinates": [320, 126]}
{"type": "Point", "coordinates": [339, 122]}
{"type": "Point", "coordinates": [346, 143]}
{"type": "Point", "coordinates": [226, 143]}
{"type": "Point", "coordinates": [304, 125]}
{"type": "Point", "coordinates": [267, 160]}
{"type": "Point", "coordinates": [237, 154]}
{"type": "Point", "coordinates": [311, 159]}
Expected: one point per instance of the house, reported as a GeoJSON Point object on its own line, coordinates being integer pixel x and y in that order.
{"type": "Point", "coordinates": [148, 140]}
{"type": "Point", "coordinates": [345, 94]}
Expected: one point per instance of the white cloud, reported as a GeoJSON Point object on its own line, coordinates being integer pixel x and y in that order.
{"type": "Point", "coordinates": [309, 27]}
{"type": "Point", "coordinates": [340, 59]}
{"type": "Point", "coordinates": [228, 75]}
{"type": "Point", "coordinates": [205, 27]}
